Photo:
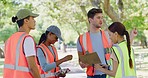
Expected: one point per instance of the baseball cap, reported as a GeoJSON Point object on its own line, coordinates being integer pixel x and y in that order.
{"type": "Point", "coordinates": [23, 13]}
{"type": "Point", "coordinates": [55, 30]}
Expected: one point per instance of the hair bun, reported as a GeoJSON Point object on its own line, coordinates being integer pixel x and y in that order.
{"type": "Point", "coordinates": [14, 19]}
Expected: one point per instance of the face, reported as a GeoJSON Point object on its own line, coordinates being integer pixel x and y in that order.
{"type": "Point", "coordinates": [97, 21]}
{"type": "Point", "coordinates": [52, 38]}
{"type": "Point", "coordinates": [31, 22]}
{"type": "Point", "coordinates": [113, 36]}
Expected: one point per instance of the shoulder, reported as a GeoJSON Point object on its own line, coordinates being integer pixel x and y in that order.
{"type": "Point", "coordinates": [28, 38]}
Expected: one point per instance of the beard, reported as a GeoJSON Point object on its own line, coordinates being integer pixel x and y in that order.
{"type": "Point", "coordinates": [98, 26]}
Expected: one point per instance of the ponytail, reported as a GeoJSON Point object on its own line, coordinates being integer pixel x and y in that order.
{"type": "Point", "coordinates": [129, 49]}
{"type": "Point", "coordinates": [14, 19]}
{"type": "Point", "coordinates": [43, 37]}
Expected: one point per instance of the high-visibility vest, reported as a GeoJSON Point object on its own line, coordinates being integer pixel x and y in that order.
{"type": "Point", "coordinates": [50, 58]}
{"type": "Point", "coordinates": [86, 44]}
{"type": "Point", "coordinates": [124, 70]}
{"type": "Point", "coordinates": [15, 64]}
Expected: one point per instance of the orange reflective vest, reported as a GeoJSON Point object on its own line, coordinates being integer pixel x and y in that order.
{"type": "Point", "coordinates": [50, 58]}
{"type": "Point", "coordinates": [86, 44]}
{"type": "Point", "coordinates": [15, 64]}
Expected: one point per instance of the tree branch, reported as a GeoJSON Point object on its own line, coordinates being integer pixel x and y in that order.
{"type": "Point", "coordinates": [110, 12]}
{"type": "Point", "coordinates": [120, 8]}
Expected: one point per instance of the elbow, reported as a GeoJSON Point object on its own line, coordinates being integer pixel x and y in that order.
{"type": "Point", "coordinates": [45, 70]}
{"type": "Point", "coordinates": [113, 74]}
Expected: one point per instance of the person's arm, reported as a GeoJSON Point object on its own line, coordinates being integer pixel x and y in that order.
{"type": "Point", "coordinates": [30, 53]}
{"type": "Point", "coordinates": [33, 67]}
{"type": "Point", "coordinates": [133, 34]}
{"type": "Point", "coordinates": [80, 53]}
{"type": "Point", "coordinates": [42, 61]}
{"type": "Point", "coordinates": [83, 65]}
{"type": "Point", "coordinates": [49, 66]}
{"type": "Point", "coordinates": [66, 58]}
{"type": "Point", "coordinates": [109, 72]}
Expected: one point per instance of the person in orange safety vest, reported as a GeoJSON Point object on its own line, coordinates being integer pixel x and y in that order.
{"type": "Point", "coordinates": [47, 54]}
{"type": "Point", "coordinates": [20, 48]}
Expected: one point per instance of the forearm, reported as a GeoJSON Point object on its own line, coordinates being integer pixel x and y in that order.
{"type": "Point", "coordinates": [108, 72]}
{"type": "Point", "coordinates": [33, 67]}
{"type": "Point", "coordinates": [59, 62]}
{"type": "Point", "coordinates": [80, 62]}
{"type": "Point", "coordinates": [48, 66]}
{"type": "Point", "coordinates": [66, 58]}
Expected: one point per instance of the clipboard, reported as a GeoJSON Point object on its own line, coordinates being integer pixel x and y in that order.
{"type": "Point", "coordinates": [91, 58]}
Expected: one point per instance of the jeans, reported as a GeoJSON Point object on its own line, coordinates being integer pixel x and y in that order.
{"type": "Point", "coordinates": [97, 76]}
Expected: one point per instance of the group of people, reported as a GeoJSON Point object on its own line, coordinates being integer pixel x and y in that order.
{"type": "Point", "coordinates": [26, 59]}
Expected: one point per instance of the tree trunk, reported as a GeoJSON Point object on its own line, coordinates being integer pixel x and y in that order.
{"type": "Point", "coordinates": [120, 8]}
{"type": "Point", "coordinates": [96, 3]}
{"type": "Point", "coordinates": [110, 12]}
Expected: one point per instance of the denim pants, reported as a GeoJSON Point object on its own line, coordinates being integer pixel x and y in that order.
{"type": "Point", "coordinates": [97, 76]}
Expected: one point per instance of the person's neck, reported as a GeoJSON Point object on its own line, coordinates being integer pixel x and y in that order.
{"type": "Point", "coordinates": [120, 39]}
{"type": "Point", "coordinates": [46, 43]}
{"type": "Point", "coordinates": [24, 29]}
{"type": "Point", "coordinates": [93, 29]}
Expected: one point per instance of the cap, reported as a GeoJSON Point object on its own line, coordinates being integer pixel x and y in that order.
{"type": "Point", "coordinates": [55, 30]}
{"type": "Point", "coordinates": [23, 13]}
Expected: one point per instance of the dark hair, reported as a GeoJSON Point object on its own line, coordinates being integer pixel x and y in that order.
{"type": "Point", "coordinates": [91, 13]}
{"type": "Point", "coordinates": [19, 22]}
{"type": "Point", "coordinates": [121, 30]}
{"type": "Point", "coordinates": [43, 37]}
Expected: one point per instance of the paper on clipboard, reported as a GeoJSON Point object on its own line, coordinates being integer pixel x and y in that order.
{"type": "Point", "coordinates": [91, 58]}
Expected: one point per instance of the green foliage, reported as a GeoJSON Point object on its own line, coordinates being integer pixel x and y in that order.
{"type": "Point", "coordinates": [135, 22]}
{"type": "Point", "coordinates": [68, 15]}
{"type": "Point", "coordinates": [6, 32]}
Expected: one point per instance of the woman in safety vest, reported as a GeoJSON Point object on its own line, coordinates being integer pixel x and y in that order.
{"type": "Point", "coordinates": [122, 57]}
{"type": "Point", "coordinates": [47, 54]}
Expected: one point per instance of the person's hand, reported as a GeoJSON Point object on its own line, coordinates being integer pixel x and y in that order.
{"type": "Point", "coordinates": [67, 58]}
{"type": "Point", "coordinates": [62, 72]}
{"type": "Point", "coordinates": [98, 66]}
{"type": "Point", "coordinates": [83, 65]}
{"type": "Point", "coordinates": [104, 66]}
{"type": "Point", "coordinates": [134, 32]}
{"type": "Point", "coordinates": [62, 75]}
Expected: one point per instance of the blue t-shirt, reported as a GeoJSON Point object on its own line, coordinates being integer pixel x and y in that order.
{"type": "Point", "coordinates": [97, 46]}
{"type": "Point", "coordinates": [42, 60]}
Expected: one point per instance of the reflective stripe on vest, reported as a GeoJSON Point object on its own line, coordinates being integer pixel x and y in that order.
{"type": "Point", "coordinates": [49, 74]}
{"type": "Point", "coordinates": [84, 42]}
{"type": "Point", "coordinates": [122, 63]}
{"type": "Point", "coordinates": [16, 67]}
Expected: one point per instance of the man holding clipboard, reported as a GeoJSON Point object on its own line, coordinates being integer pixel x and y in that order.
{"type": "Point", "coordinates": [93, 41]}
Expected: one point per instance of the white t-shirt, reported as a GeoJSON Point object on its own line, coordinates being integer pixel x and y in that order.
{"type": "Point", "coordinates": [29, 47]}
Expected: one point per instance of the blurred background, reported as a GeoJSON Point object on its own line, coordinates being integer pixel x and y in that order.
{"type": "Point", "coordinates": [71, 17]}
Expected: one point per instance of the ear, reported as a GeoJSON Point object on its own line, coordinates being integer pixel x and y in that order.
{"type": "Point", "coordinates": [90, 19]}
{"type": "Point", "coordinates": [26, 20]}
{"type": "Point", "coordinates": [116, 33]}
